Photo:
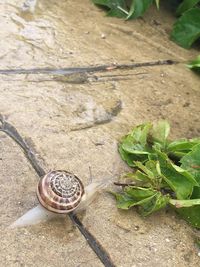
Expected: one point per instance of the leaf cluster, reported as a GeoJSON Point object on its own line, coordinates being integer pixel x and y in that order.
{"type": "Point", "coordinates": [194, 64]}
{"type": "Point", "coordinates": [185, 31]}
{"type": "Point", "coordinates": [164, 173]}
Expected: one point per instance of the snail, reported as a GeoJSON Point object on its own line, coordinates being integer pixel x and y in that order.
{"type": "Point", "coordinates": [59, 192]}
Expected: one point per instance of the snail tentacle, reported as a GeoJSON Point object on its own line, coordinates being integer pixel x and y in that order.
{"type": "Point", "coordinates": [91, 192]}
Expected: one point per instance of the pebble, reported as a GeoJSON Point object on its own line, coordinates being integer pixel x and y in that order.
{"type": "Point", "coordinates": [136, 227]}
{"type": "Point", "coordinates": [71, 234]}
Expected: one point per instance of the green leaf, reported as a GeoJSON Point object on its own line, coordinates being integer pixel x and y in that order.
{"type": "Point", "coordinates": [191, 215]}
{"type": "Point", "coordinates": [157, 3]}
{"type": "Point", "coordinates": [180, 181]}
{"type": "Point", "coordinates": [129, 199]}
{"type": "Point", "coordinates": [140, 133]}
{"type": "Point", "coordinates": [189, 209]}
{"type": "Point", "coordinates": [154, 204]}
{"type": "Point", "coordinates": [117, 8]}
{"type": "Point", "coordinates": [154, 166]}
{"type": "Point", "coordinates": [138, 176]}
{"type": "Point", "coordinates": [195, 64]}
{"type": "Point", "coordinates": [142, 167]}
{"type": "Point", "coordinates": [139, 193]}
{"type": "Point", "coordinates": [187, 28]}
{"type": "Point", "coordinates": [184, 203]}
{"type": "Point", "coordinates": [131, 146]}
{"type": "Point", "coordinates": [123, 201]}
{"type": "Point", "coordinates": [130, 158]}
{"type": "Point", "coordinates": [177, 154]}
{"type": "Point", "coordinates": [194, 201]}
{"type": "Point", "coordinates": [160, 132]}
{"type": "Point", "coordinates": [179, 148]}
{"type": "Point", "coordinates": [134, 145]}
{"type": "Point", "coordinates": [186, 5]}
{"type": "Point", "coordinates": [185, 173]}
{"type": "Point", "coordinates": [191, 162]}
{"type": "Point", "coordinates": [138, 8]}
{"type": "Point", "coordinates": [182, 145]}
{"type": "Point", "coordinates": [151, 173]}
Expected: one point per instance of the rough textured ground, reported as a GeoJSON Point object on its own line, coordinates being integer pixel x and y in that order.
{"type": "Point", "coordinates": [73, 125]}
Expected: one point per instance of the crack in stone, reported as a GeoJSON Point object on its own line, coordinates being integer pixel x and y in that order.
{"type": "Point", "coordinates": [12, 132]}
{"type": "Point", "coordinates": [101, 253]}
{"type": "Point", "coordinates": [95, 245]}
{"type": "Point", "coordinates": [89, 69]}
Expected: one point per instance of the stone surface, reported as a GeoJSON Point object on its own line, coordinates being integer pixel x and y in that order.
{"type": "Point", "coordinates": [56, 243]}
{"type": "Point", "coordinates": [75, 123]}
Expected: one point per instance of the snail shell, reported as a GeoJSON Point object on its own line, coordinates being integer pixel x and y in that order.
{"type": "Point", "coordinates": [60, 191]}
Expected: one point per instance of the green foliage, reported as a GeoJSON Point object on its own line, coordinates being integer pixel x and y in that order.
{"type": "Point", "coordinates": [116, 8]}
{"type": "Point", "coordinates": [121, 8]}
{"type": "Point", "coordinates": [185, 31]}
{"type": "Point", "coordinates": [187, 28]}
{"type": "Point", "coordinates": [191, 162]}
{"type": "Point", "coordinates": [138, 8]}
{"type": "Point", "coordinates": [189, 209]}
{"type": "Point", "coordinates": [195, 64]}
{"type": "Point", "coordinates": [186, 5]}
{"type": "Point", "coordinates": [165, 172]}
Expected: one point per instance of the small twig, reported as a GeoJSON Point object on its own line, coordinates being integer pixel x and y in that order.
{"type": "Point", "coordinates": [195, 167]}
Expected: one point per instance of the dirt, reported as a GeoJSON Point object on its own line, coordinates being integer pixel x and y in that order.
{"type": "Point", "coordinates": [75, 123]}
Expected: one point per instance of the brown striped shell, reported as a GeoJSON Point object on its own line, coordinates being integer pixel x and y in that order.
{"type": "Point", "coordinates": [60, 191]}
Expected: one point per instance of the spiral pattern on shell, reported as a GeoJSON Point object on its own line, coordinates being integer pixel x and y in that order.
{"type": "Point", "coordinates": [60, 191]}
